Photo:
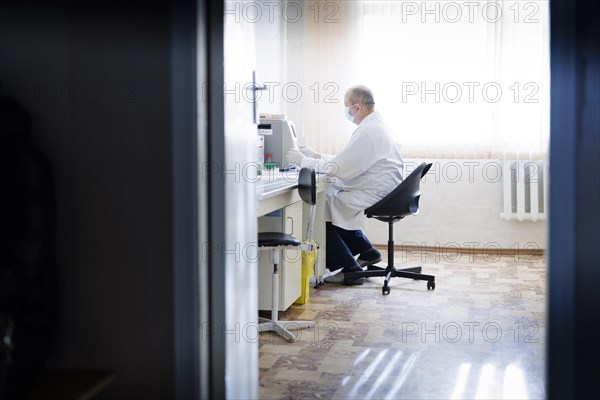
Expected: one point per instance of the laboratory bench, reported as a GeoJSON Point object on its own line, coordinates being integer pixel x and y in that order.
{"type": "Point", "coordinates": [280, 209]}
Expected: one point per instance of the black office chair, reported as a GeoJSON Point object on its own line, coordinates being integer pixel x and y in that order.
{"type": "Point", "coordinates": [401, 202]}
{"type": "Point", "coordinates": [307, 189]}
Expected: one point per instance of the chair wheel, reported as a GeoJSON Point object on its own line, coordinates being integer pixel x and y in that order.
{"type": "Point", "coordinates": [430, 285]}
{"type": "Point", "coordinates": [385, 290]}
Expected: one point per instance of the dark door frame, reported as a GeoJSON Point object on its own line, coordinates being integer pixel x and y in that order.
{"type": "Point", "coordinates": [198, 216]}
{"type": "Point", "coordinates": [574, 223]}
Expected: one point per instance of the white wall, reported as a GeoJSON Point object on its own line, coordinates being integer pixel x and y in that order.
{"type": "Point", "coordinates": [295, 57]}
{"type": "Point", "coordinates": [270, 63]}
{"type": "Point", "coordinates": [460, 205]}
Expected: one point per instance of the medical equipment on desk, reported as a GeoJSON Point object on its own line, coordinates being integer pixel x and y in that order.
{"type": "Point", "coordinates": [260, 150]}
{"type": "Point", "coordinates": [279, 137]}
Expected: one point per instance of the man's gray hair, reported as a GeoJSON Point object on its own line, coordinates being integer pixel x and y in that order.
{"type": "Point", "coordinates": [363, 95]}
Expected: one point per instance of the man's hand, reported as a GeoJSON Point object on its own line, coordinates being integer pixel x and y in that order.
{"type": "Point", "coordinates": [308, 152]}
{"type": "Point", "coordinates": [294, 157]}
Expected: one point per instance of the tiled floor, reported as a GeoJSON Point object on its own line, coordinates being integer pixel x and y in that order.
{"type": "Point", "coordinates": [479, 334]}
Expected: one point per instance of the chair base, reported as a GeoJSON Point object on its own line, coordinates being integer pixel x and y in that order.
{"type": "Point", "coordinates": [393, 272]}
{"type": "Point", "coordinates": [282, 328]}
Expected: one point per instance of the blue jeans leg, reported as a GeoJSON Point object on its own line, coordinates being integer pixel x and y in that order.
{"type": "Point", "coordinates": [343, 245]}
{"type": "Point", "coordinates": [356, 241]}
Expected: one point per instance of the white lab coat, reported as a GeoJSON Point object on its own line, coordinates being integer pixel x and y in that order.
{"type": "Point", "coordinates": [367, 169]}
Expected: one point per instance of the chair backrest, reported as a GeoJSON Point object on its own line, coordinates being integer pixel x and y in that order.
{"type": "Point", "coordinates": [307, 189]}
{"type": "Point", "coordinates": [402, 201]}
{"type": "Point", "coordinates": [307, 186]}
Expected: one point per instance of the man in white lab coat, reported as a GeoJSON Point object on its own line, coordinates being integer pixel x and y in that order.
{"type": "Point", "coordinates": [367, 169]}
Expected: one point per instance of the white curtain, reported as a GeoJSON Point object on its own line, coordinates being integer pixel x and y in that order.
{"type": "Point", "coordinates": [453, 79]}
{"type": "Point", "coordinates": [332, 33]}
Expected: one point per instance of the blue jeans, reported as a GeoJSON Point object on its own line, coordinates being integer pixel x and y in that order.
{"type": "Point", "coordinates": [343, 245]}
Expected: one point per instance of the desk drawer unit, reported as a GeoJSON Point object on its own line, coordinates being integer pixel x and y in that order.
{"type": "Point", "coordinates": [288, 220]}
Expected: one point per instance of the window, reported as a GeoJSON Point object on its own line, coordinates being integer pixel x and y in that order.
{"type": "Point", "coordinates": [453, 79]}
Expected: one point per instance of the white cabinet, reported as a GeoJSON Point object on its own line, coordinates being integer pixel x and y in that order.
{"type": "Point", "coordinates": [288, 220]}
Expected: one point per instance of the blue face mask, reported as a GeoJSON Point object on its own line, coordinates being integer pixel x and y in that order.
{"type": "Point", "coordinates": [347, 114]}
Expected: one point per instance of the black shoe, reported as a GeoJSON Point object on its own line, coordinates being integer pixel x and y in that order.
{"type": "Point", "coordinates": [337, 278]}
{"type": "Point", "coordinates": [369, 257]}
{"type": "Point", "coordinates": [340, 279]}
{"type": "Point", "coordinates": [352, 268]}
{"type": "Point", "coordinates": [353, 281]}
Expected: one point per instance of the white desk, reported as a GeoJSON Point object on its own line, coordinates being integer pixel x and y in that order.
{"type": "Point", "coordinates": [278, 191]}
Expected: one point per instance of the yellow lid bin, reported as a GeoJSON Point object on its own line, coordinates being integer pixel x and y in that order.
{"type": "Point", "coordinates": [308, 264]}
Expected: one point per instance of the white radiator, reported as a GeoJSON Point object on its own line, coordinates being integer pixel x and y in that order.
{"type": "Point", "coordinates": [525, 190]}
